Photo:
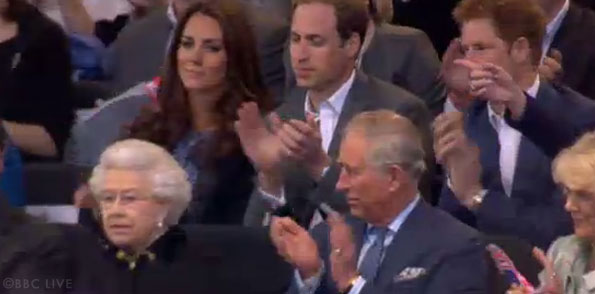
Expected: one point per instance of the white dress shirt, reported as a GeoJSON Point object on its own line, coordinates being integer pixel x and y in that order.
{"type": "Point", "coordinates": [509, 140]}
{"type": "Point", "coordinates": [328, 116]}
{"type": "Point", "coordinates": [329, 111]}
{"type": "Point", "coordinates": [310, 285]}
{"type": "Point", "coordinates": [552, 28]}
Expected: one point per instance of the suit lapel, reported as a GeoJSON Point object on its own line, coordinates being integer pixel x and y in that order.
{"type": "Point", "coordinates": [371, 60]}
{"type": "Point", "coordinates": [480, 130]}
{"type": "Point", "coordinates": [531, 161]}
{"type": "Point", "coordinates": [355, 103]}
{"type": "Point", "coordinates": [561, 38]}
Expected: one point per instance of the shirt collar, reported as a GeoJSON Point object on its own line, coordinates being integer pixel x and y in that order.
{"type": "Point", "coordinates": [532, 92]}
{"type": "Point", "coordinates": [398, 221]}
{"type": "Point", "coordinates": [553, 26]}
{"type": "Point", "coordinates": [337, 100]}
{"type": "Point", "coordinates": [171, 13]}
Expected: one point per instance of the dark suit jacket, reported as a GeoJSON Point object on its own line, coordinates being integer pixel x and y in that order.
{"type": "Point", "coordinates": [366, 94]}
{"type": "Point", "coordinates": [28, 252]}
{"type": "Point", "coordinates": [402, 56]}
{"type": "Point", "coordinates": [139, 52]}
{"type": "Point", "coordinates": [575, 40]}
{"type": "Point", "coordinates": [191, 259]}
{"type": "Point", "coordinates": [535, 210]}
{"type": "Point", "coordinates": [551, 129]}
{"type": "Point", "coordinates": [450, 253]}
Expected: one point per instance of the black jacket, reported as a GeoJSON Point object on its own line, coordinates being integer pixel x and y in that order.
{"type": "Point", "coordinates": [30, 254]}
{"type": "Point", "coordinates": [191, 259]}
{"type": "Point", "coordinates": [36, 85]}
{"type": "Point", "coordinates": [574, 39]}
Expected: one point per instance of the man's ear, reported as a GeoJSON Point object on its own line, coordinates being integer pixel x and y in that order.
{"type": "Point", "coordinates": [353, 45]}
{"type": "Point", "coordinates": [520, 50]}
{"type": "Point", "coordinates": [397, 176]}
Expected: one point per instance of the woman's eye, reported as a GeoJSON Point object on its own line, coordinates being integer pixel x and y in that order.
{"type": "Point", "coordinates": [187, 44]}
{"type": "Point", "coordinates": [213, 48]}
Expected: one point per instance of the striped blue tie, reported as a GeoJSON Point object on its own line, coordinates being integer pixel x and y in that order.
{"type": "Point", "coordinates": [371, 262]}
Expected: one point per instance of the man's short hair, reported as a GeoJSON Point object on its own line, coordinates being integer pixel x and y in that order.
{"type": "Point", "coordinates": [512, 19]}
{"type": "Point", "coordinates": [352, 16]}
{"type": "Point", "coordinates": [392, 139]}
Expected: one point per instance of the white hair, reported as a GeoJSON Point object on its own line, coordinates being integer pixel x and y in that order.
{"type": "Point", "coordinates": [392, 138]}
{"type": "Point", "coordinates": [169, 182]}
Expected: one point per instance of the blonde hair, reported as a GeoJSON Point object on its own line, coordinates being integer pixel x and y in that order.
{"type": "Point", "coordinates": [392, 138]}
{"type": "Point", "coordinates": [576, 163]}
{"type": "Point", "coordinates": [169, 182]}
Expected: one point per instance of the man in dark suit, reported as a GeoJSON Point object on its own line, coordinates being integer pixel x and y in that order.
{"type": "Point", "coordinates": [505, 186]}
{"type": "Point", "coordinates": [568, 44]}
{"type": "Point", "coordinates": [324, 48]}
{"type": "Point", "coordinates": [400, 55]}
{"type": "Point", "coordinates": [393, 241]}
{"type": "Point", "coordinates": [139, 52]}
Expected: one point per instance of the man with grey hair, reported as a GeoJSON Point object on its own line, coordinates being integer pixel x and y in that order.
{"type": "Point", "coordinates": [392, 241]}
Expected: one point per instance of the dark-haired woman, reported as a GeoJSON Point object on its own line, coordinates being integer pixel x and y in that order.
{"type": "Point", "coordinates": [36, 106]}
{"type": "Point", "coordinates": [211, 70]}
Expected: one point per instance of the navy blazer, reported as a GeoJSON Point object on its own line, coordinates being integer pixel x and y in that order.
{"type": "Point", "coordinates": [551, 129]}
{"type": "Point", "coordinates": [535, 210]}
{"type": "Point", "coordinates": [574, 40]}
{"type": "Point", "coordinates": [450, 254]}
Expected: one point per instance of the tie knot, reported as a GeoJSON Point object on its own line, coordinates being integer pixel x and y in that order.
{"type": "Point", "coordinates": [380, 233]}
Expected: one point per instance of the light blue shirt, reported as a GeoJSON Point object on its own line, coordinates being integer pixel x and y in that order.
{"type": "Point", "coordinates": [310, 285]}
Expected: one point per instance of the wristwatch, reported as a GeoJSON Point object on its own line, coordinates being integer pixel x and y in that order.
{"type": "Point", "coordinates": [351, 283]}
{"type": "Point", "coordinates": [477, 199]}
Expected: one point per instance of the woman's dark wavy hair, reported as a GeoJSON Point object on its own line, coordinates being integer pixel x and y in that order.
{"type": "Point", "coordinates": [172, 121]}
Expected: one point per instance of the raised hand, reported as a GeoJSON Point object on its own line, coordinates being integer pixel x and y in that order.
{"type": "Point", "coordinates": [491, 82]}
{"type": "Point", "coordinates": [455, 77]}
{"type": "Point", "coordinates": [260, 144]}
{"type": "Point", "coordinates": [459, 155]}
{"type": "Point", "coordinates": [302, 142]}
{"type": "Point", "coordinates": [342, 256]}
{"type": "Point", "coordinates": [551, 67]}
{"type": "Point", "coordinates": [552, 283]}
{"type": "Point", "coordinates": [296, 246]}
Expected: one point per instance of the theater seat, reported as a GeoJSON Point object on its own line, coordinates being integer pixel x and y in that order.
{"type": "Point", "coordinates": [49, 188]}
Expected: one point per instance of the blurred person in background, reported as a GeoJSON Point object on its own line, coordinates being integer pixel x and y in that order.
{"type": "Point", "coordinates": [36, 105]}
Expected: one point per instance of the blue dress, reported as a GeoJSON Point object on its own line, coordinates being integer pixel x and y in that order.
{"type": "Point", "coordinates": [183, 153]}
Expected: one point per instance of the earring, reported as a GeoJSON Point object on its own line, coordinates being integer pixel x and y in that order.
{"type": "Point", "coordinates": [160, 224]}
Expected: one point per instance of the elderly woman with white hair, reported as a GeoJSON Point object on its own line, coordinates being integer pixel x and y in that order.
{"type": "Point", "coordinates": [141, 193]}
